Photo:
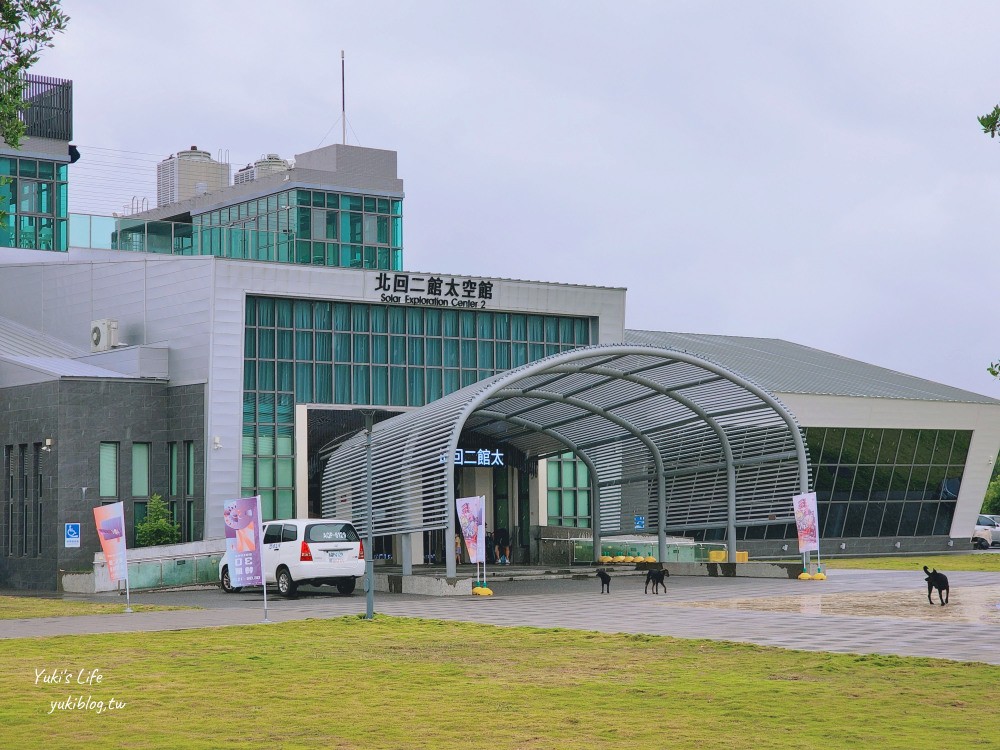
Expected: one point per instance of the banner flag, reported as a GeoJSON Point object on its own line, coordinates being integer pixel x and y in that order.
{"type": "Point", "coordinates": [110, 521]}
{"type": "Point", "coordinates": [473, 526]}
{"type": "Point", "coordinates": [242, 522]}
{"type": "Point", "coordinates": [806, 521]}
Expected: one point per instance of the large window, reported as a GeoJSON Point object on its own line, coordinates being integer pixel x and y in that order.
{"type": "Point", "coordinates": [887, 482]}
{"type": "Point", "coordinates": [37, 473]}
{"type": "Point", "coordinates": [568, 492]}
{"type": "Point", "coordinates": [172, 469]}
{"type": "Point", "coordinates": [880, 482]}
{"type": "Point", "coordinates": [189, 468]}
{"type": "Point", "coordinates": [8, 498]}
{"type": "Point", "coordinates": [140, 470]}
{"type": "Point", "coordinates": [33, 198]}
{"type": "Point", "coordinates": [109, 470]}
{"type": "Point", "coordinates": [308, 227]}
{"type": "Point", "coordinates": [139, 508]}
{"type": "Point", "coordinates": [22, 464]}
{"type": "Point", "coordinates": [306, 351]}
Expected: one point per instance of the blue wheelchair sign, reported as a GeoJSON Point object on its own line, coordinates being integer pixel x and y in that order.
{"type": "Point", "coordinates": [640, 523]}
{"type": "Point", "coordinates": [72, 535]}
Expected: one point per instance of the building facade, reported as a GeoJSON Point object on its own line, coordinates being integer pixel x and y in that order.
{"type": "Point", "coordinates": [258, 323]}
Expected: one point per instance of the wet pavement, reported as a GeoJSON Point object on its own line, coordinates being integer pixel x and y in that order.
{"type": "Point", "coordinates": [852, 611]}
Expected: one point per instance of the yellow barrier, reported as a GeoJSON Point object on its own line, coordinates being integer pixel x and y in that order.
{"type": "Point", "coordinates": [720, 555]}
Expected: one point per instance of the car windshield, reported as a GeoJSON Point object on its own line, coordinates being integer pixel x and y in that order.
{"type": "Point", "coordinates": [331, 532]}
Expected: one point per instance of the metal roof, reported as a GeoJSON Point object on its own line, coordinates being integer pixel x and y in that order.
{"type": "Point", "coordinates": [20, 340]}
{"type": "Point", "coordinates": [664, 432]}
{"type": "Point", "coordinates": [783, 367]}
{"type": "Point", "coordinates": [64, 368]}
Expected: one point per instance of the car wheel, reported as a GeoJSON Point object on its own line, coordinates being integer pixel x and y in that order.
{"type": "Point", "coordinates": [982, 543]}
{"type": "Point", "coordinates": [346, 588]}
{"type": "Point", "coordinates": [286, 586]}
{"type": "Point", "coordinates": [225, 583]}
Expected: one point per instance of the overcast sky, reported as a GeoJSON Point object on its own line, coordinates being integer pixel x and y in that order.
{"type": "Point", "coordinates": [805, 171]}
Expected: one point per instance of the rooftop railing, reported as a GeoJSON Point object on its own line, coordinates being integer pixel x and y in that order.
{"type": "Point", "coordinates": [47, 107]}
{"type": "Point", "coordinates": [173, 238]}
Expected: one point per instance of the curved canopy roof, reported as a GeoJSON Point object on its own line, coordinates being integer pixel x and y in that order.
{"type": "Point", "coordinates": [665, 434]}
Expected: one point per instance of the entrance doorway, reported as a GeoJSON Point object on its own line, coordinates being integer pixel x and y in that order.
{"type": "Point", "coordinates": [501, 515]}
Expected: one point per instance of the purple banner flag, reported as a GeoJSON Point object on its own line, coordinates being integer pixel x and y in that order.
{"type": "Point", "coordinates": [242, 521]}
{"type": "Point", "coordinates": [110, 520]}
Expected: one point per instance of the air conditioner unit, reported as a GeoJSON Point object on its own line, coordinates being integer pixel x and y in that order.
{"type": "Point", "coordinates": [103, 335]}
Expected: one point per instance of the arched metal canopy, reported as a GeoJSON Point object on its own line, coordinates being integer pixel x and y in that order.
{"type": "Point", "coordinates": [664, 433]}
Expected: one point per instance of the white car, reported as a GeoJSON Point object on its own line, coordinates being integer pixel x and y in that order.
{"type": "Point", "coordinates": [307, 551]}
{"type": "Point", "coordinates": [986, 532]}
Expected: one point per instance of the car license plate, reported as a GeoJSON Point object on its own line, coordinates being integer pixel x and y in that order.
{"type": "Point", "coordinates": [335, 554]}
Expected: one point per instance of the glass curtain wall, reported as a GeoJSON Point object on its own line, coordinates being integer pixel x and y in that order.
{"type": "Point", "coordinates": [307, 227]}
{"type": "Point", "coordinates": [568, 491]}
{"type": "Point", "coordinates": [307, 351]}
{"type": "Point", "coordinates": [878, 483]}
{"type": "Point", "coordinates": [34, 199]}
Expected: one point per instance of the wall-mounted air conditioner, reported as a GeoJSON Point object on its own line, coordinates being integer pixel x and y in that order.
{"type": "Point", "coordinates": [103, 335]}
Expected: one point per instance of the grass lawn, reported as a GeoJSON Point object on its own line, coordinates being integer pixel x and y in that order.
{"type": "Point", "coordinates": [17, 607]}
{"type": "Point", "coordinates": [975, 562]}
{"type": "Point", "coordinates": [404, 683]}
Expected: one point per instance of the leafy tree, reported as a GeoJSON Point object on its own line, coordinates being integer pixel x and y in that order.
{"type": "Point", "coordinates": [991, 503]}
{"type": "Point", "coordinates": [158, 527]}
{"type": "Point", "coordinates": [991, 124]}
{"type": "Point", "coordinates": [26, 28]}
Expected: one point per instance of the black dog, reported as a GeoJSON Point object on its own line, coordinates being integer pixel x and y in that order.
{"type": "Point", "coordinates": [937, 581]}
{"type": "Point", "coordinates": [656, 578]}
{"type": "Point", "coordinates": [605, 581]}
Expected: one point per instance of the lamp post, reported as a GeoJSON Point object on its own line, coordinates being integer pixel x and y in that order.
{"type": "Point", "coordinates": [370, 546]}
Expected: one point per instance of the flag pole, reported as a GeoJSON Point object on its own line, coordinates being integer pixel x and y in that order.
{"type": "Point", "coordinates": [263, 577]}
{"type": "Point", "coordinates": [263, 573]}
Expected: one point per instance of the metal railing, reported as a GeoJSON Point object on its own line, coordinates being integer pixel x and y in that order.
{"type": "Point", "coordinates": [47, 107]}
{"type": "Point", "coordinates": [174, 238]}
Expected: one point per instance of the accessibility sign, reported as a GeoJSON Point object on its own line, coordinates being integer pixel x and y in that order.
{"type": "Point", "coordinates": [640, 523]}
{"type": "Point", "coordinates": [72, 535]}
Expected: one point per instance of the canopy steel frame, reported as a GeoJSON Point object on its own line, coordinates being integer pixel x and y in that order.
{"type": "Point", "coordinates": [614, 406]}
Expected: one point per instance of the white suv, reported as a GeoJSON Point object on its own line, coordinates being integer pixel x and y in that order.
{"type": "Point", "coordinates": [307, 551]}
{"type": "Point", "coordinates": [986, 532]}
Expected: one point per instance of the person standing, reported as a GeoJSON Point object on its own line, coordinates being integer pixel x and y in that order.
{"type": "Point", "coordinates": [501, 541]}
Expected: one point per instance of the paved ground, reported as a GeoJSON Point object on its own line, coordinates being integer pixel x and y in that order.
{"type": "Point", "coordinates": [851, 612]}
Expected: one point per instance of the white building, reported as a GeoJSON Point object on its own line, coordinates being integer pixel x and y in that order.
{"type": "Point", "coordinates": [187, 174]}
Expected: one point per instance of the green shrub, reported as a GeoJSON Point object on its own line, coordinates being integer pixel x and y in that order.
{"type": "Point", "coordinates": [158, 527]}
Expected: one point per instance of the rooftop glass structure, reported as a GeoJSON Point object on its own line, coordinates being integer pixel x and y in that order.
{"type": "Point", "coordinates": [33, 190]}
{"type": "Point", "coordinates": [33, 201]}
{"type": "Point", "coordinates": [246, 240]}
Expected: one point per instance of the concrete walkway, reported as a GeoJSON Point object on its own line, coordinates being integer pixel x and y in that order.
{"type": "Point", "coordinates": [851, 612]}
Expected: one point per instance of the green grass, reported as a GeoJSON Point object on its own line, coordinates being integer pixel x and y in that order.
{"type": "Point", "coordinates": [402, 683]}
{"type": "Point", "coordinates": [18, 607]}
{"type": "Point", "coordinates": [980, 563]}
